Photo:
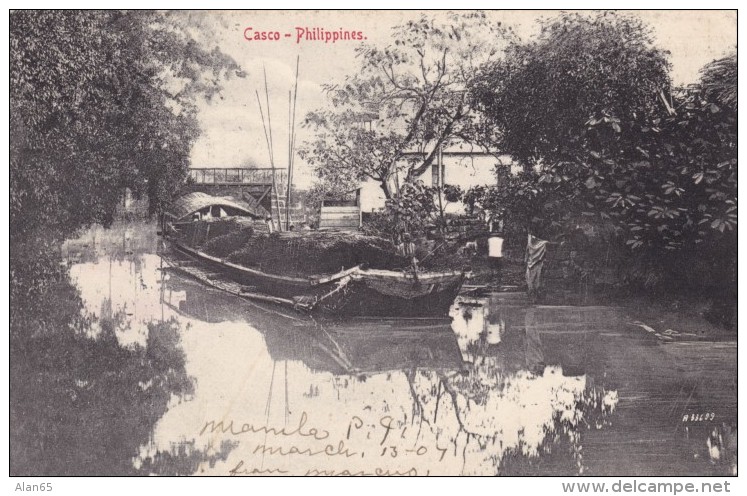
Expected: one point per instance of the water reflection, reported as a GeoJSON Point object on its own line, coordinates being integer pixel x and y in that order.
{"type": "Point", "coordinates": [85, 391]}
{"type": "Point", "coordinates": [412, 372]}
{"type": "Point", "coordinates": [637, 390]}
{"type": "Point", "coordinates": [503, 387]}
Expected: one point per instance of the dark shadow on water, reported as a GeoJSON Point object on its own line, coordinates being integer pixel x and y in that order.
{"type": "Point", "coordinates": [182, 459]}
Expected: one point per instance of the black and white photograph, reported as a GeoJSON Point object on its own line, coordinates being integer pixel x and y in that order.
{"type": "Point", "coordinates": [385, 243]}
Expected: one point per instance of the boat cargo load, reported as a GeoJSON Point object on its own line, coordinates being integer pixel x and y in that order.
{"type": "Point", "coordinates": [340, 273]}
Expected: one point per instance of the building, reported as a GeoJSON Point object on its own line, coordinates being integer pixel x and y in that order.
{"type": "Point", "coordinates": [459, 165]}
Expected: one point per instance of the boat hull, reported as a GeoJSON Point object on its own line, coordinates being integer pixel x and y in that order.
{"type": "Point", "coordinates": [362, 299]}
{"type": "Point", "coordinates": [359, 293]}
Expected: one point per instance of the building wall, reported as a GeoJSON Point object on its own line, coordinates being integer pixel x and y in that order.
{"type": "Point", "coordinates": [459, 170]}
{"type": "Point", "coordinates": [131, 207]}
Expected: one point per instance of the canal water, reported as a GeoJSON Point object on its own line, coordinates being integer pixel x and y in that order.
{"type": "Point", "coordinates": [500, 387]}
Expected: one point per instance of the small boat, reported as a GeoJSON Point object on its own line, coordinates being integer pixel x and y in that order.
{"type": "Point", "coordinates": [355, 291]}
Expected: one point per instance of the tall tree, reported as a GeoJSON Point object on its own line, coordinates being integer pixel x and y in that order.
{"type": "Point", "coordinates": [101, 101]}
{"type": "Point", "coordinates": [405, 101]}
{"type": "Point", "coordinates": [543, 94]}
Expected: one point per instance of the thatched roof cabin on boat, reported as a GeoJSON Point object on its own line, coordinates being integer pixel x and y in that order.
{"type": "Point", "coordinates": [198, 217]}
{"type": "Point", "coordinates": [201, 206]}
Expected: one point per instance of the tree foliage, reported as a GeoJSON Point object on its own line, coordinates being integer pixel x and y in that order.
{"type": "Point", "coordinates": [101, 101]}
{"type": "Point", "coordinates": [542, 94]}
{"type": "Point", "coordinates": [407, 100]}
{"type": "Point", "coordinates": [589, 109]}
{"type": "Point", "coordinates": [414, 210]}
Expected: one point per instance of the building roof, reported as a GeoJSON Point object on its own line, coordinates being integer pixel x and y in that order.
{"type": "Point", "coordinates": [188, 204]}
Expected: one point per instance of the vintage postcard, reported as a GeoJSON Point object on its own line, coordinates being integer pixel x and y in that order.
{"type": "Point", "coordinates": [316, 243]}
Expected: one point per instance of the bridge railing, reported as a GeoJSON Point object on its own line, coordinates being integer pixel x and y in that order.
{"type": "Point", "coordinates": [236, 175]}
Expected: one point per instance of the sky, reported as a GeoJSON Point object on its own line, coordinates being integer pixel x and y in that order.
{"type": "Point", "coordinates": [233, 133]}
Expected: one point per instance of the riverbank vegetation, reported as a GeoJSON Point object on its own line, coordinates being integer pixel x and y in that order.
{"type": "Point", "coordinates": [108, 105]}
{"type": "Point", "coordinates": [100, 102]}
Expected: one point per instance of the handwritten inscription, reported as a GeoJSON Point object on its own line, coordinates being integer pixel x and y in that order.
{"type": "Point", "coordinates": [380, 446]}
{"type": "Point", "coordinates": [235, 429]}
{"type": "Point", "coordinates": [240, 469]}
{"type": "Point", "coordinates": [328, 450]}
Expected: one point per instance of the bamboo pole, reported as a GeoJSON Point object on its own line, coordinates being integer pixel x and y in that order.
{"type": "Point", "coordinates": [267, 140]}
{"type": "Point", "coordinates": [272, 154]}
{"type": "Point", "coordinates": [290, 159]}
{"type": "Point", "coordinates": [292, 130]}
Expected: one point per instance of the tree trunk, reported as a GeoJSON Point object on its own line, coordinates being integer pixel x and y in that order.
{"type": "Point", "coordinates": [384, 185]}
{"type": "Point", "coordinates": [442, 227]}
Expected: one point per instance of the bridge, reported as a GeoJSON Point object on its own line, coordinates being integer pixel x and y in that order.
{"type": "Point", "coordinates": [252, 186]}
